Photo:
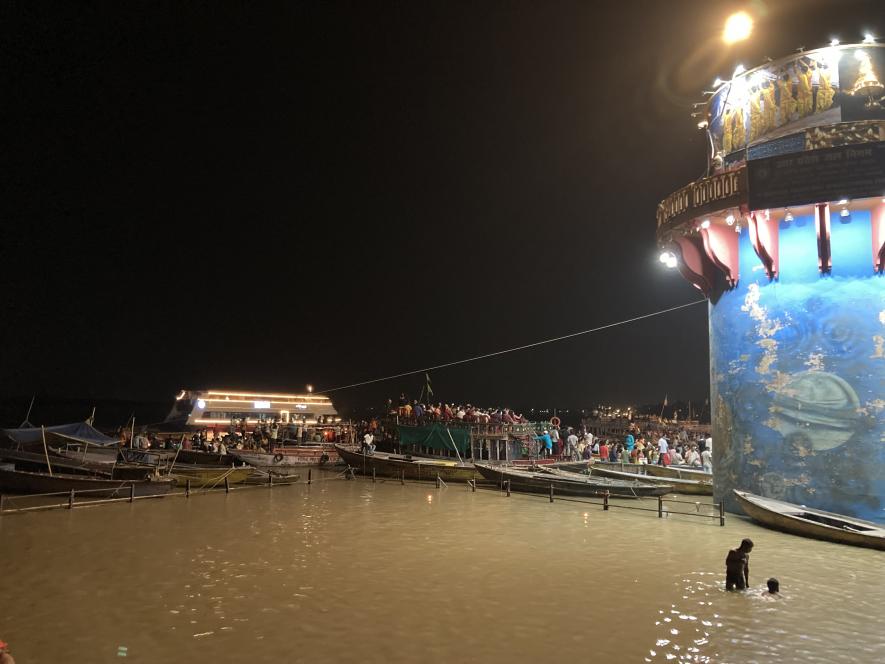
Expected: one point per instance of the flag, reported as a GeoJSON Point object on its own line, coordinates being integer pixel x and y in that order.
{"type": "Point", "coordinates": [429, 390]}
{"type": "Point", "coordinates": [665, 399]}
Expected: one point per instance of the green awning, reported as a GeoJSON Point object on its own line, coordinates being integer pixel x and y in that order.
{"type": "Point", "coordinates": [437, 436]}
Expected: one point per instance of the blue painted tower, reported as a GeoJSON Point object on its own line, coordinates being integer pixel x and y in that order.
{"type": "Point", "coordinates": [786, 238]}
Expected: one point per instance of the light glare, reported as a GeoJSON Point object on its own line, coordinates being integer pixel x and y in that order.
{"type": "Point", "coordinates": [738, 27]}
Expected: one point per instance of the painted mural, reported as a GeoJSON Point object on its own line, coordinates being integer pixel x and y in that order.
{"type": "Point", "coordinates": [798, 375]}
{"type": "Point", "coordinates": [814, 88]}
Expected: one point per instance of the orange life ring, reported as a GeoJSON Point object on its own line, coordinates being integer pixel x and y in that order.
{"type": "Point", "coordinates": [555, 421]}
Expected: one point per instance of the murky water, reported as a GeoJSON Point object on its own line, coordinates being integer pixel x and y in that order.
{"type": "Point", "coordinates": [346, 571]}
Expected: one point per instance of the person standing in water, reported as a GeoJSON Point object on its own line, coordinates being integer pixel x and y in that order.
{"type": "Point", "coordinates": [737, 566]}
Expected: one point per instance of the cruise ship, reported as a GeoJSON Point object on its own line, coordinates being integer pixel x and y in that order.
{"type": "Point", "coordinates": [222, 409]}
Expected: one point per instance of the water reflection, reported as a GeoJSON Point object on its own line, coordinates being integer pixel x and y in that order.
{"type": "Point", "coordinates": [346, 571]}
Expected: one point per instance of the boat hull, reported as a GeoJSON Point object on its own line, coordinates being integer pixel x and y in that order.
{"type": "Point", "coordinates": [388, 465]}
{"type": "Point", "coordinates": [202, 476]}
{"type": "Point", "coordinates": [290, 460]}
{"type": "Point", "coordinates": [18, 481]}
{"type": "Point", "coordinates": [88, 453]}
{"type": "Point", "coordinates": [656, 470]}
{"type": "Point", "coordinates": [586, 486]}
{"type": "Point", "coordinates": [690, 487]}
{"type": "Point", "coordinates": [794, 519]}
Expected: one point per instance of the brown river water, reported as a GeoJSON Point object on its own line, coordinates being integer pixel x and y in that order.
{"type": "Point", "coordinates": [351, 571]}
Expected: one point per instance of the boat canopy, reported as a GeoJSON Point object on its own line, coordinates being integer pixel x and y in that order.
{"type": "Point", "coordinates": [438, 436]}
{"type": "Point", "coordinates": [79, 432]}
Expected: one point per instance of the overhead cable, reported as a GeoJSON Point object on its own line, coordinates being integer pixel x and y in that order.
{"type": "Point", "coordinates": [513, 350]}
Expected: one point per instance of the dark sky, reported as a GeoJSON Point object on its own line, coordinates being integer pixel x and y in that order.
{"type": "Point", "coordinates": [331, 192]}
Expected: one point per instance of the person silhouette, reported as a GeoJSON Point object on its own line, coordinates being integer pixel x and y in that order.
{"type": "Point", "coordinates": [737, 566]}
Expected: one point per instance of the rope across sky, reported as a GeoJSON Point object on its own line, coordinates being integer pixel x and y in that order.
{"type": "Point", "coordinates": [513, 350]}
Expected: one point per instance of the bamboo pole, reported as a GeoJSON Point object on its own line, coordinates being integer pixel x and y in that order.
{"type": "Point", "coordinates": [175, 458]}
{"type": "Point", "coordinates": [460, 460]}
{"type": "Point", "coordinates": [132, 434]}
{"type": "Point", "coordinates": [45, 450]}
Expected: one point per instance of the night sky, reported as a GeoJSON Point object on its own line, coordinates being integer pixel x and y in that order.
{"type": "Point", "coordinates": [332, 192]}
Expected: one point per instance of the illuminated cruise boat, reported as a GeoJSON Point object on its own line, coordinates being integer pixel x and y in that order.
{"type": "Point", "coordinates": [221, 409]}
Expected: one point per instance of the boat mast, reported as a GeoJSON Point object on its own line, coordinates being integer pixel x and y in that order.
{"type": "Point", "coordinates": [28, 416]}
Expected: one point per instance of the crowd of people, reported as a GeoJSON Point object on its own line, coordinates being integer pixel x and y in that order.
{"type": "Point", "coordinates": [443, 412]}
{"type": "Point", "coordinates": [261, 437]}
{"type": "Point", "coordinates": [655, 447]}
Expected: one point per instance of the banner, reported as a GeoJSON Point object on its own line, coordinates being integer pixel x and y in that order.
{"type": "Point", "coordinates": [832, 174]}
{"type": "Point", "coordinates": [821, 87]}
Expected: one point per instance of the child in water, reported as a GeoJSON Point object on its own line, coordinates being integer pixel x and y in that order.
{"type": "Point", "coordinates": [774, 588]}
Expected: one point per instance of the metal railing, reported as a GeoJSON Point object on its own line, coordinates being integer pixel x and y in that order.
{"type": "Point", "coordinates": [129, 488]}
{"type": "Point", "coordinates": [606, 504]}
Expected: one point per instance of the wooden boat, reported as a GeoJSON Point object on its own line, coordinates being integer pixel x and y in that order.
{"type": "Point", "coordinates": [637, 488]}
{"type": "Point", "coordinates": [87, 453]}
{"type": "Point", "coordinates": [655, 470]}
{"type": "Point", "coordinates": [37, 462]}
{"type": "Point", "coordinates": [571, 466]}
{"type": "Point", "coordinates": [809, 522]}
{"type": "Point", "coordinates": [159, 459]}
{"type": "Point", "coordinates": [678, 472]}
{"type": "Point", "coordinates": [203, 476]}
{"type": "Point", "coordinates": [79, 441]}
{"type": "Point", "coordinates": [565, 483]}
{"type": "Point", "coordinates": [411, 468]}
{"type": "Point", "coordinates": [695, 487]}
{"type": "Point", "coordinates": [287, 460]}
{"type": "Point", "coordinates": [20, 481]}
{"type": "Point", "coordinates": [201, 458]}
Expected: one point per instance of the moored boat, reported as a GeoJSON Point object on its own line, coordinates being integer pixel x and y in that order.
{"type": "Point", "coordinates": [41, 463]}
{"type": "Point", "coordinates": [210, 476]}
{"type": "Point", "coordinates": [809, 522]}
{"type": "Point", "coordinates": [635, 486]}
{"type": "Point", "coordinates": [656, 470]}
{"type": "Point", "coordinates": [285, 460]}
{"type": "Point", "coordinates": [408, 467]}
{"type": "Point", "coordinates": [20, 481]}
{"type": "Point", "coordinates": [702, 487]}
{"type": "Point", "coordinates": [565, 483]}
{"type": "Point", "coordinates": [678, 472]}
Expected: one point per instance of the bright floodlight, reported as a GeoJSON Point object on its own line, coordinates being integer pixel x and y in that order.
{"type": "Point", "coordinates": [737, 28]}
{"type": "Point", "coordinates": [869, 38]}
{"type": "Point", "coordinates": [665, 256]}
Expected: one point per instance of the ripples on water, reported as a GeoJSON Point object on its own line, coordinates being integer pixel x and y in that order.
{"type": "Point", "coordinates": [351, 571]}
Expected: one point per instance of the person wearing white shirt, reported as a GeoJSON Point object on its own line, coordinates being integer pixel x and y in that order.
{"type": "Point", "coordinates": [571, 446]}
{"type": "Point", "coordinates": [707, 460]}
{"type": "Point", "coordinates": [662, 449]}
